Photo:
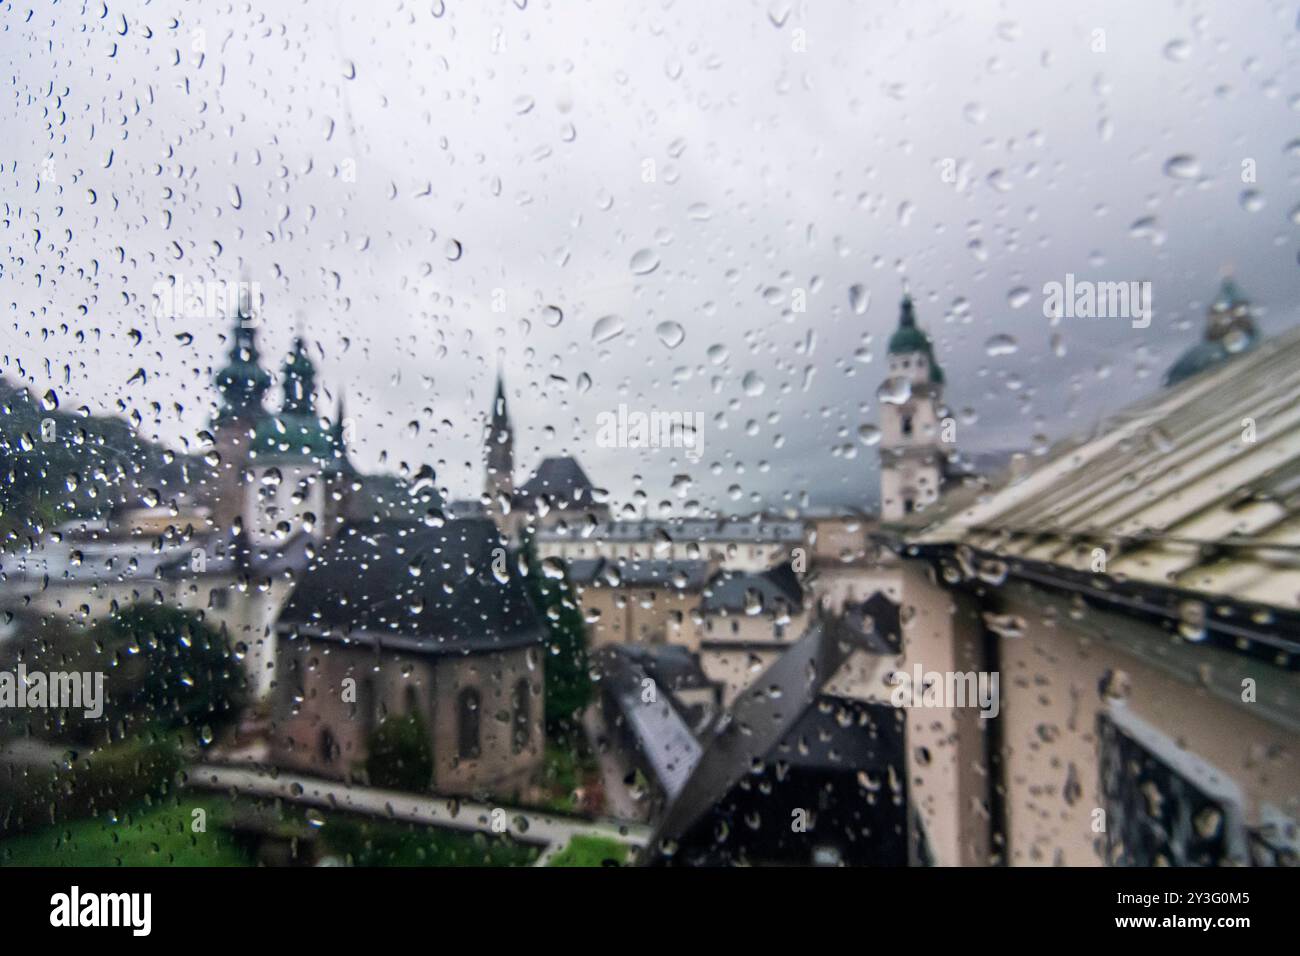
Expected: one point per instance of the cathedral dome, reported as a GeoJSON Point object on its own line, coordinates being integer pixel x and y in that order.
{"type": "Point", "coordinates": [1229, 331]}
{"type": "Point", "coordinates": [909, 338]}
{"type": "Point", "coordinates": [296, 432]}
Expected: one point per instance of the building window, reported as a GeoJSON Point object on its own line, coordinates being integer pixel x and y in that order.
{"type": "Point", "coordinates": [907, 424]}
{"type": "Point", "coordinates": [412, 700]}
{"type": "Point", "coordinates": [328, 747]}
{"type": "Point", "coordinates": [218, 599]}
{"type": "Point", "coordinates": [467, 724]}
{"type": "Point", "coordinates": [367, 706]}
{"type": "Point", "coordinates": [908, 506]}
{"type": "Point", "coordinates": [1163, 805]}
{"type": "Point", "coordinates": [521, 718]}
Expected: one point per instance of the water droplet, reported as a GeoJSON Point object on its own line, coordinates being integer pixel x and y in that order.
{"type": "Point", "coordinates": [859, 299]}
{"type": "Point", "coordinates": [644, 262]}
{"type": "Point", "coordinates": [1000, 345]}
{"type": "Point", "coordinates": [895, 390]}
{"type": "Point", "coordinates": [1182, 166]}
{"type": "Point", "coordinates": [670, 334]}
{"type": "Point", "coordinates": [606, 328]}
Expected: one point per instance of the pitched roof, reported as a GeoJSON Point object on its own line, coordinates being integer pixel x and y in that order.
{"type": "Point", "coordinates": [684, 531]}
{"type": "Point", "coordinates": [737, 591]}
{"type": "Point", "coordinates": [672, 575]}
{"type": "Point", "coordinates": [1196, 488]}
{"type": "Point", "coordinates": [415, 587]}
{"type": "Point", "coordinates": [662, 735]}
{"type": "Point", "coordinates": [771, 721]}
{"type": "Point", "coordinates": [561, 479]}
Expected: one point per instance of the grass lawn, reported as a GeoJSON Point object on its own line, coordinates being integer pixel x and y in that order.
{"type": "Point", "coordinates": [590, 851]}
{"type": "Point", "coordinates": [363, 841]}
{"type": "Point", "coordinates": [143, 836]}
{"type": "Point", "coordinates": [161, 836]}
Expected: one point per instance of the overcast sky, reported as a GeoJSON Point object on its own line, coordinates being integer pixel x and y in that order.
{"type": "Point", "coordinates": [383, 169]}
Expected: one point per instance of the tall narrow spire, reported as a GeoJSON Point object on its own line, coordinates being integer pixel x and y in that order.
{"type": "Point", "coordinates": [499, 480]}
{"type": "Point", "coordinates": [500, 413]}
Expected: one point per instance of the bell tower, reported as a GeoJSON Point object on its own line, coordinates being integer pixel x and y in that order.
{"type": "Point", "coordinates": [912, 456]}
{"type": "Point", "coordinates": [499, 482]}
{"type": "Point", "coordinates": [242, 384]}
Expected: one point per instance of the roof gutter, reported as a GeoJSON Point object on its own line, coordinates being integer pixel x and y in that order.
{"type": "Point", "coordinates": [1270, 633]}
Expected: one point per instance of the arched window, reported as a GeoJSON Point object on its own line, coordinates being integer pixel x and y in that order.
{"type": "Point", "coordinates": [366, 705]}
{"type": "Point", "coordinates": [467, 718]}
{"type": "Point", "coordinates": [521, 718]}
{"type": "Point", "coordinates": [327, 746]}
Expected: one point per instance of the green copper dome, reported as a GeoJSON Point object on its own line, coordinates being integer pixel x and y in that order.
{"type": "Point", "coordinates": [296, 432]}
{"type": "Point", "coordinates": [1229, 331]}
{"type": "Point", "coordinates": [290, 436]}
{"type": "Point", "coordinates": [908, 338]}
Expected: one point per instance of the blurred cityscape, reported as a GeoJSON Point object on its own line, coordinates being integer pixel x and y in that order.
{"type": "Point", "coordinates": [763, 433]}
{"type": "Point", "coordinates": [264, 655]}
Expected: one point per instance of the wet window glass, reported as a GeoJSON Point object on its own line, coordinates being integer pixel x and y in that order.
{"type": "Point", "coordinates": [525, 433]}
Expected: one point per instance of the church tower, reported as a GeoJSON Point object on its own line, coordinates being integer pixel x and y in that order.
{"type": "Point", "coordinates": [242, 384]}
{"type": "Point", "coordinates": [292, 455]}
{"type": "Point", "coordinates": [912, 433]}
{"type": "Point", "coordinates": [499, 482]}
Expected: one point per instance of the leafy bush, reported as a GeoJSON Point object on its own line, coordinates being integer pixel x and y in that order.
{"type": "Point", "coordinates": [399, 756]}
{"type": "Point", "coordinates": [163, 668]}
{"type": "Point", "coordinates": [35, 795]}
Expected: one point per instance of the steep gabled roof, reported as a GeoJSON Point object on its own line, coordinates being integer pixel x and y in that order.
{"type": "Point", "coordinates": [438, 589]}
{"type": "Point", "coordinates": [770, 721]}
{"type": "Point", "coordinates": [562, 480]}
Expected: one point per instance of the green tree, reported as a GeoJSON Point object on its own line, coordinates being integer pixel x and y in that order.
{"type": "Point", "coordinates": [399, 756]}
{"type": "Point", "coordinates": [568, 679]}
{"type": "Point", "coordinates": [167, 668]}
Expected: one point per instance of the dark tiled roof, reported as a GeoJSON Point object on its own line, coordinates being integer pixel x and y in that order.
{"type": "Point", "coordinates": [772, 721]}
{"type": "Point", "coordinates": [733, 591]}
{"type": "Point", "coordinates": [673, 575]}
{"type": "Point", "coordinates": [670, 665]}
{"type": "Point", "coordinates": [877, 620]}
{"type": "Point", "coordinates": [420, 588]}
{"type": "Point", "coordinates": [560, 479]}
{"type": "Point", "coordinates": [686, 530]}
